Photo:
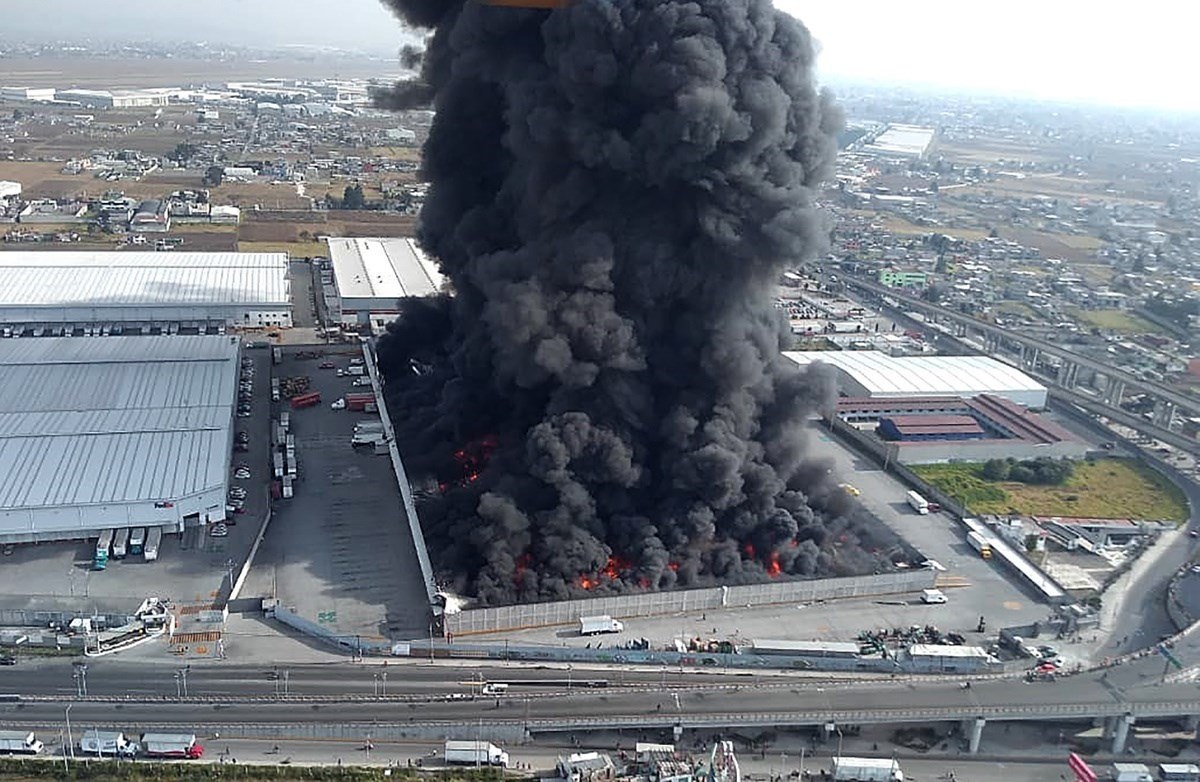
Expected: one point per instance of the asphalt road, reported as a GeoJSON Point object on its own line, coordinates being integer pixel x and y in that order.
{"type": "Point", "coordinates": [731, 701]}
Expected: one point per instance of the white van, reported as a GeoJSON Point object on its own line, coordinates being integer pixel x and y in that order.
{"type": "Point", "coordinates": [933, 596]}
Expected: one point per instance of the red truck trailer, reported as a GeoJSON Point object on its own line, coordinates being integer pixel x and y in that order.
{"type": "Point", "coordinates": [171, 745]}
{"type": "Point", "coordinates": [360, 402]}
{"type": "Point", "coordinates": [306, 400]}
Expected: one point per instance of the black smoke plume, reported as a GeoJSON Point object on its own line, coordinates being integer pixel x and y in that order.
{"type": "Point", "coordinates": [614, 189]}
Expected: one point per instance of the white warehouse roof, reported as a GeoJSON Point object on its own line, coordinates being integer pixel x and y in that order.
{"type": "Point", "coordinates": [113, 431]}
{"type": "Point", "coordinates": [870, 373]}
{"type": "Point", "coordinates": [102, 279]}
{"type": "Point", "coordinates": [386, 269]}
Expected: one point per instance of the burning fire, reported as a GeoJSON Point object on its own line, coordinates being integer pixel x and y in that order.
{"type": "Point", "coordinates": [611, 571]}
{"type": "Point", "coordinates": [470, 461]}
{"type": "Point", "coordinates": [773, 568]}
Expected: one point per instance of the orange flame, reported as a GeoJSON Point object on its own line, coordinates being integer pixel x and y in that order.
{"type": "Point", "coordinates": [773, 567]}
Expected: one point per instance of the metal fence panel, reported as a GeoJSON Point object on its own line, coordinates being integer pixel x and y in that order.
{"type": "Point", "coordinates": [516, 617]}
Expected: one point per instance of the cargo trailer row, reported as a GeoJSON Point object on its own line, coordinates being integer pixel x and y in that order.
{"type": "Point", "coordinates": [126, 541]}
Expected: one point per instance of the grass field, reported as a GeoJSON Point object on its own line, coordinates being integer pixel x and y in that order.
{"type": "Point", "coordinates": [899, 225]}
{"type": "Point", "coordinates": [1115, 320]}
{"type": "Point", "coordinates": [1102, 489]}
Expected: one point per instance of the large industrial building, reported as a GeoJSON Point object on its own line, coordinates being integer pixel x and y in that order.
{"type": "Point", "coordinates": [108, 433]}
{"type": "Point", "coordinates": [871, 374]}
{"type": "Point", "coordinates": [147, 292]}
{"type": "Point", "coordinates": [922, 430]}
{"type": "Point", "coordinates": [371, 276]}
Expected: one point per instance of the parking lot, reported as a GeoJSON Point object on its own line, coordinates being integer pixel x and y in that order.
{"type": "Point", "coordinates": [339, 553]}
{"type": "Point", "coordinates": [191, 567]}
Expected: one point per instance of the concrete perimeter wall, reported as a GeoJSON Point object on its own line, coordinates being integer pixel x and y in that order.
{"type": "Point", "coordinates": [516, 617]}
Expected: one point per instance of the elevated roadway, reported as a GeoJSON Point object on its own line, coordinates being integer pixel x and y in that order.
{"type": "Point", "coordinates": [1133, 691]}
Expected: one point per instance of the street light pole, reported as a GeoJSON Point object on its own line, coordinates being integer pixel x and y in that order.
{"type": "Point", "coordinates": [839, 754]}
{"type": "Point", "coordinates": [70, 738]}
{"type": "Point", "coordinates": [383, 682]}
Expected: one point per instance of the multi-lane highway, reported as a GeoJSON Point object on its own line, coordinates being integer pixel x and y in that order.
{"type": "Point", "coordinates": [539, 698]}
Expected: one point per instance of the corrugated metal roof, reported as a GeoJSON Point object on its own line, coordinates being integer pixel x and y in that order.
{"type": "Point", "coordinates": [382, 268]}
{"type": "Point", "coordinates": [882, 374]}
{"type": "Point", "coordinates": [113, 279]}
{"type": "Point", "coordinates": [117, 419]}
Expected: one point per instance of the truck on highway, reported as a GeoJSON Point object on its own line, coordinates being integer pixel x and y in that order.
{"type": "Point", "coordinates": [171, 745]}
{"type": "Point", "coordinates": [306, 400]}
{"type": "Point", "coordinates": [277, 461]}
{"type": "Point", "coordinates": [980, 543]}
{"type": "Point", "coordinates": [285, 490]}
{"type": "Point", "coordinates": [866, 770]}
{"type": "Point", "coordinates": [918, 503]}
{"type": "Point", "coordinates": [594, 625]}
{"type": "Point", "coordinates": [1178, 772]}
{"type": "Point", "coordinates": [153, 541]}
{"type": "Point", "coordinates": [108, 743]}
{"type": "Point", "coordinates": [19, 742]}
{"type": "Point", "coordinates": [475, 753]}
{"type": "Point", "coordinates": [276, 355]}
{"type": "Point", "coordinates": [1131, 772]}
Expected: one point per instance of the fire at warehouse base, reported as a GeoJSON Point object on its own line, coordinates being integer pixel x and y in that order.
{"type": "Point", "coordinates": [615, 187]}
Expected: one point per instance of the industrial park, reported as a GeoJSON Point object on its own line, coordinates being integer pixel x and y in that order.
{"type": "Point", "coordinates": [700, 425]}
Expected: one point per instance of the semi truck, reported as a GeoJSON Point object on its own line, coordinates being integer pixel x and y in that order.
{"type": "Point", "coordinates": [594, 625]}
{"type": "Point", "coordinates": [866, 770]}
{"type": "Point", "coordinates": [980, 544]}
{"type": "Point", "coordinates": [286, 490]}
{"type": "Point", "coordinates": [19, 742]}
{"type": "Point", "coordinates": [108, 743]}
{"type": "Point", "coordinates": [475, 753]}
{"type": "Point", "coordinates": [103, 543]}
{"type": "Point", "coordinates": [277, 459]}
{"type": "Point", "coordinates": [1131, 772]}
{"type": "Point", "coordinates": [360, 402]}
{"type": "Point", "coordinates": [153, 541]}
{"type": "Point", "coordinates": [137, 541]}
{"type": "Point", "coordinates": [120, 543]}
{"type": "Point", "coordinates": [918, 503]}
{"type": "Point", "coordinates": [171, 745]}
{"type": "Point", "coordinates": [306, 400]}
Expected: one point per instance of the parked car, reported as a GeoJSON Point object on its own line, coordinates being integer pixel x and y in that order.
{"type": "Point", "coordinates": [326, 365]}
{"type": "Point", "coordinates": [8, 659]}
{"type": "Point", "coordinates": [237, 492]}
{"type": "Point", "coordinates": [243, 437]}
{"type": "Point", "coordinates": [219, 530]}
{"type": "Point", "coordinates": [241, 475]}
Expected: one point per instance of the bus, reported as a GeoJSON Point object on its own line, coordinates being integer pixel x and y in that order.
{"type": "Point", "coordinates": [137, 540]}
{"type": "Point", "coordinates": [120, 541]}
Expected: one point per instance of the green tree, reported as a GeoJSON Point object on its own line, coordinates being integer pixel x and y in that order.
{"type": "Point", "coordinates": [996, 469]}
{"type": "Point", "coordinates": [353, 198]}
{"type": "Point", "coordinates": [182, 153]}
{"type": "Point", "coordinates": [214, 176]}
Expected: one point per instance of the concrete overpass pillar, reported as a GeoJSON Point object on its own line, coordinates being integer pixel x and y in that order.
{"type": "Point", "coordinates": [1034, 355]}
{"type": "Point", "coordinates": [1121, 733]}
{"type": "Point", "coordinates": [975, 735]}
{"type": "Point", "coordinates": [1073, 375]}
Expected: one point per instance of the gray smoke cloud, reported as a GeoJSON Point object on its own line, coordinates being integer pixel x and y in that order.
{"type": "Point", "coordinates": [615, 188]}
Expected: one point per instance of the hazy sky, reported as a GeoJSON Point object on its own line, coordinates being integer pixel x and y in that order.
{"type": "Point", "coordinates": [1103, 52]}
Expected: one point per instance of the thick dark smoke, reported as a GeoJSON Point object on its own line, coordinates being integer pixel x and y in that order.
{"type": "Point", "coordinates": [615, 188]}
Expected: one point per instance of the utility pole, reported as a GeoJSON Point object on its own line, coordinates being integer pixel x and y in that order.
{"type": "Point", "coordinates": [383, 683]}
{"type": "Point", "coordinates": [286, 682]}
{"type": "Point", "coordinates": [70, 738]}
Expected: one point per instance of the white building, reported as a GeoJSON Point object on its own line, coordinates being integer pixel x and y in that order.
{"type": "Point", "coordinates": [371, 276]}
{"type": "Point", "coordinates": [30, 94]}
{"type": "Point", "coordinates": [116, 99]}
{"type": "Point", "coordinates": [9, 190]}
{"type": "Point", "coordinates": [875, 375]}
{"type": "Point", "coordinates": [902, 141]}
{"type": "Point", "coordinates": [148, 291]}
{"type": "Point", "coordinates": [106, 433]}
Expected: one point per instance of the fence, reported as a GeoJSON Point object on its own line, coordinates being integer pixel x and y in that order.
{"type": "Point", "coordinates": [350, 643]}
{"type": "Point", "coordinates": [516, 617]}
{"type": "Point", "coordinates": [410, 508]}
